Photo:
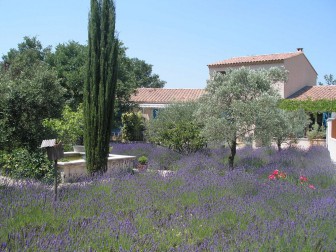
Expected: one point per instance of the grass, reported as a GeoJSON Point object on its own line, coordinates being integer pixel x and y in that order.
{"type": "Point", "coordinates": [202, 207]}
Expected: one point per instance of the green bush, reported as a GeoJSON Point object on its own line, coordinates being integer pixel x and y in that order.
{"type": "Point", "coordinates": [70, 128]}
{"type": "Point", "coordinates": [317, 132]}
{"type": "Point", "coordinates": [143, 160]}
{"type": "Point", "coordinates": [176, 128]}
{"type": "Point", "coordinates": [24, 164]}
{"type": "Point", "coordinates": [133, 126]}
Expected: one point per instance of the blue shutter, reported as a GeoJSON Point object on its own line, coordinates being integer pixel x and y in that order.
{"type": "Point", "coordinates": [155, 113]}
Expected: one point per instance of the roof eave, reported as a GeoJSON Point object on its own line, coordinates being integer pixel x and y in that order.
{"type": "Point", "coordinates": [246, 63]}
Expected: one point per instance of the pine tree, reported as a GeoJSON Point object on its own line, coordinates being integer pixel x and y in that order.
{"type": "Point", "coordinates": [100, 84]}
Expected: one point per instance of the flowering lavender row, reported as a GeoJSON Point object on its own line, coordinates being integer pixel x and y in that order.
{"type": "Point", "coordinates": [203, 206]}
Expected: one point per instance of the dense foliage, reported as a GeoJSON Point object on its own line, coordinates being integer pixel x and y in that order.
{"type": "Point", "coordinates": [100, 84]}
{"type": "Point", "coordinates": [70, 128]}
{"type": "Point", "coordinates": [177, 128]}
{"type": "Point", "coordinates": [133, 126]}
{"type": "Point", "coordinates": [30, 93]}
{"type": "Point", "coordinates": [69, 61]}
{"type": "Point", "coordinates": [36, 82]}
{"type": "Point", "coordinates": [308, 105]}
{"type": "Point", "coordinates": [317, 132]}
{"type": "Point", "coordinates": [285, 126]}
{"type": "Point", "coordinates": [237, 104]}
{"type": "Point", "coordinates": [204, 206]}
{"type": "Point", "coordinates": [22, 164]}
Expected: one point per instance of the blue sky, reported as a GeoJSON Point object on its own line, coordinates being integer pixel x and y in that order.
{"type": "Point", "coordinates": [180, 37]}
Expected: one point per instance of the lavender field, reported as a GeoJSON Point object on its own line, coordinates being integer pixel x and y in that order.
{"type": "Point", "coordinates": [271, 202]}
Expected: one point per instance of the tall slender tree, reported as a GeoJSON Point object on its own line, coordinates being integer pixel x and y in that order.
{"type": "Point", "coordinates": [100, 84]}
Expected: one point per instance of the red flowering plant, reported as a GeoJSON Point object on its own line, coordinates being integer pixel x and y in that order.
{"type": "Point", "coordinates": [304, 182]}
{"type": "Point", "coordinates": [276, 175]}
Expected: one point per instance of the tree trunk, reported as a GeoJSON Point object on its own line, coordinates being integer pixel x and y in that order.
{"type": "Point", "coordinates": [55, 180]}
{"type": "Point", "coordinates": [233, 148]}
{"type": "Point", "coordinates": [279, 145]}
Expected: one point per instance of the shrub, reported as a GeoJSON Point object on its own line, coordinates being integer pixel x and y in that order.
{"type": "Point", "coordinates": [176, 128]}
{"type": "Point", "coordinates": [143, 160]}
{"type": "Point", "coordinates": [133, 126]}
{"type": "Point", "coordinates": [24, 164]}
{"type": "Point", "coordinates": [68, 129]}
{"type": "Point", "coordinates": [317, 132]}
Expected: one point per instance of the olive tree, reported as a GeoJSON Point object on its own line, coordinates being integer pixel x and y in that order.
{"type": "Point", "coordinates": [285, 126]}
{"type": "Point", "coordinates": [235, 105]}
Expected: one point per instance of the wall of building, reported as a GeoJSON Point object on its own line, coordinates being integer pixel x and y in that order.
{"type": "Point", "coordinates": [251, 66]}
{"type": "Point", "coordinates": [301, 74]}
{"type": "Point", "coordinates": [331, 138]}
{"type": "Point", "coordinates": [278, 86]}
{"type": "Point", "coordinates": [147, 113]}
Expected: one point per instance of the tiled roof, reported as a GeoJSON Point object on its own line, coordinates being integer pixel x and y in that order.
{"type": "Point", "coordinates": [165, 95]}
{"type": "Point", "coordinates": [315, 93]}
{"type": "Point", "coordinates": [256, 59]}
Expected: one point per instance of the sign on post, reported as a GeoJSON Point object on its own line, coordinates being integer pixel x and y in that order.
{"type": "Point", "coordinates": [54, 151]}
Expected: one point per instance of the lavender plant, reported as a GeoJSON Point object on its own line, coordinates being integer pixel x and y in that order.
{"type": "Point", "coordinates": [197, 208]}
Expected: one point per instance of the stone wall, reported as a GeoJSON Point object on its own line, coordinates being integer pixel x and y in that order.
{"type": "Point", "coordinates": [74, 169]}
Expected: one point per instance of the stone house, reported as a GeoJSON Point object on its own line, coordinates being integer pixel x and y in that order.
{"type": "Point", "coordinates": [301, 85]}
{"type": "Point", "coordinates": [301, 73]}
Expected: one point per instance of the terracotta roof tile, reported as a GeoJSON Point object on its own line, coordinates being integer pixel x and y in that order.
{"type": "Point", "coordinates": [165, 95]}
{"type": "Point", "coordinates": [256, 59]}
{"type": "Point", "coordinates": [315, 93]}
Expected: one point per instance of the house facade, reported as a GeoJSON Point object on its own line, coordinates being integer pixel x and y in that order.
{"type": "Point", "coordinates": [301, 73]}
{"type": "Point", "coordinates": [300, 85]}
{"type": "Point", "coordinates": [150, 100]}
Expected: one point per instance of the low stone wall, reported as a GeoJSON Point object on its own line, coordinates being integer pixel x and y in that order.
{"type": "Point", "coordinates": [77, 168]}
{"type": "Point", "coordinates": [303, 143]}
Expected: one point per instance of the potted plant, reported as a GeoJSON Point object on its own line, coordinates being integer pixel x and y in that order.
{"type": "Point", "coordinates": [142, 163]}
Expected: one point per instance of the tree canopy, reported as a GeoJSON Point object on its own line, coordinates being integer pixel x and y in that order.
{"type": "Point", "coordinates": [36, 82]}
{"type": "Point", "coordinates": [329, 79]}
{"type": "Point", "coordinates": [30, 93]}
{"type": "Point", "coordinates": [235, 104]}
{"type": "Point", "coordinates": [100, 84]}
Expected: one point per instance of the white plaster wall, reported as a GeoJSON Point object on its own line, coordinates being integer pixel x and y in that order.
{"type": "Point", "coordinates": [331, 142]}
{"type": "Point", "coordinates": [301, 74]}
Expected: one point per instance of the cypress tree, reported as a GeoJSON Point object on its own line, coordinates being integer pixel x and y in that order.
{"type": "Point", "coordinates": [100, 84]}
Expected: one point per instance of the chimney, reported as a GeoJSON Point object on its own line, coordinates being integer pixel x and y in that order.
{"type": "Point", "coordinates": [299, 49]}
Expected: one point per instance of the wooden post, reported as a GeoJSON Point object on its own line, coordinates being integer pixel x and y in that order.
{"type": "Point", "coordinates": [55, 180]}
{"type": "Point", "coordinates": [54, 151]}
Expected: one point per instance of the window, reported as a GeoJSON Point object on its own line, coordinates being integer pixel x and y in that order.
{"type": "Point", "coordinates": [155, 113]}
